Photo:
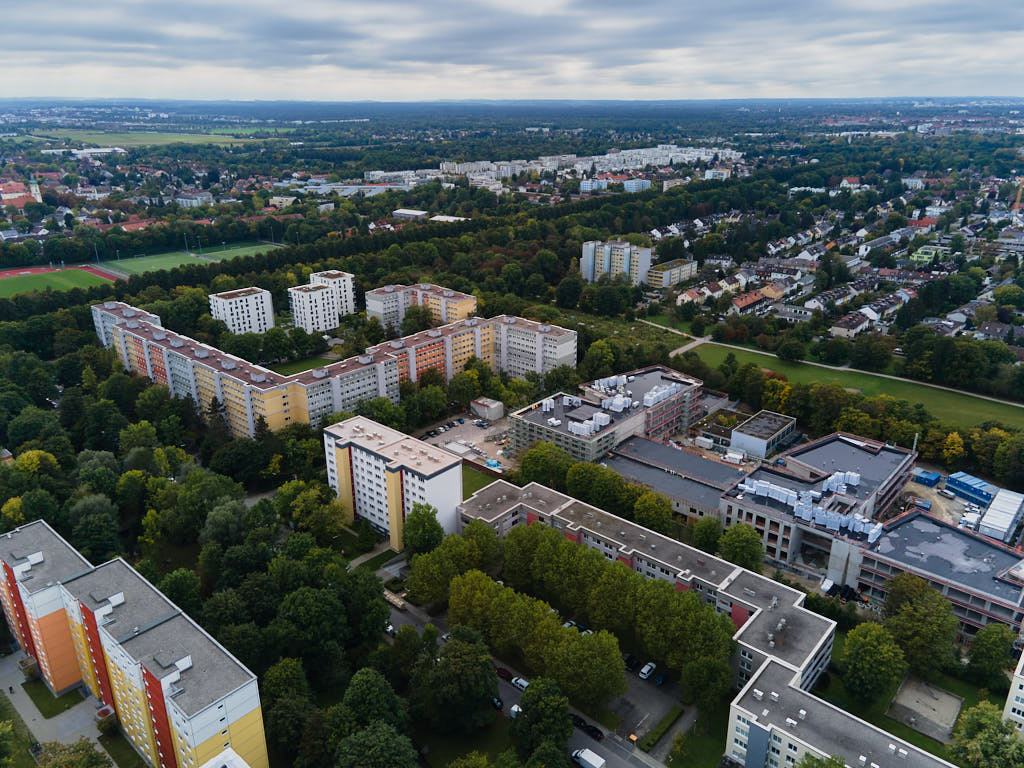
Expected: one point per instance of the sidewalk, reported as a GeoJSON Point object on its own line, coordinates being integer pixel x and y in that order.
{"type": "Point", "coordinates": [381, 546]}
{"type": "Point", "coordinates": [67, 727]}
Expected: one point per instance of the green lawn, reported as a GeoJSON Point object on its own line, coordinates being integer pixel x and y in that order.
{"type": "Point", "coordinates": [138, 264]}
{"type": "Point", "coordinates": [473, 480]}
{"type": "Point", "coordinates": [123, 753]}
{"type": "Point", "coordinates": [445, 748]}
{"type": "Point", "coordinates": [57, 281]}
{"type": "Point", "coordinates": [136, 139]}
{"type": "Point", "coordinates": [705, 742]}
{"type": "Point", "coordinates": [298, 366]}
{"type": "Point", "coordinates": [617, 327]}
{"type": "Point", "coordinates": [958, 408]}
{"type": "Point", "coordinates": [47, 704]}
{"type": "Point", "coordinates": [20, 757]}
{"type": "Point", "coordinates": [379, 560]}
{"type": "Point", "coordinates": [663, 319]}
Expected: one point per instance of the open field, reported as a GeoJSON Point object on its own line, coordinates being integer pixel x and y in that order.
{"type": "Point", "coordinates": [136, 138]}
{"type": "Point", "coordinates": [957, 408]}
{"type": "Point", "coordinates": [298, 366]}
{"type": "Point", "coordinates": [170, 259]}
{"type": "Point", "coordinates": [48, 704]}
{"type": "Point", "coordinates": [57, 281]}
{"type": "Point", "coordinates": [473, 480]}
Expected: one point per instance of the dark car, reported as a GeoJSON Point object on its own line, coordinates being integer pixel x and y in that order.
{"type": "Point", "coordinates": [593, 732]}
{"type": "Point", "coordinates": [497, 703]}
{"type": "Point", "coordinates": [660, 679]}
{"type": "Point", "coordinates": [632, 662]}
{"type": "Point", "coordinates": [578, 722]}
{"type": "Point", "coordinates": [461, 421]}
{"type": "Point", "coordinates": [503, 673]}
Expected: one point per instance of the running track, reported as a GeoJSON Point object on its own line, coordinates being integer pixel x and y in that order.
{"type": "Point", "coordinates": [105, 274]}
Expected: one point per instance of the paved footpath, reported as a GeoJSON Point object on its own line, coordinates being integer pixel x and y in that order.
{"type": "Point", "coordinates": [67, 727]}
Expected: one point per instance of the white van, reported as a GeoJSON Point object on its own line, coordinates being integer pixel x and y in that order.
{"type": "Point", "coordinates": [947, 493]}
{"type": "Point", "coordinates": [520, 683]}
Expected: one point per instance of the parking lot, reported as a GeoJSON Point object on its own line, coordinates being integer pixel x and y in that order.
{"type": "Point", "coordinates": [472, 436]}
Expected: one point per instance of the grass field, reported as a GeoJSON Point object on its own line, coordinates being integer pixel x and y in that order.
{"type": "Point", "coordinates": [298, 366]}
{"type": "Point", "coordinates": [961, 409]}
{"type": "Point", "coordinates": [57, 281]}
{"type": "Point", "coordinates": [19, 754]}
{"type": "Point", "coordinates": [705, 741]}
{"type": "Point", "coordinates": [48, 704]}
{"type": "Point", "coordinates": [170, 259]}
{"type": "Point", "coordinates": [136, 139]}
{"type": "Point", "coordinates": [663, 319]}
{"type": "Point", "coordinates": [473, 480]}
{"type": "Point", "coordinates": [379, 560]}
{"type": "Point", "coordinates": [121, 751]}
{"type": "Point", "coordinates": [445, 748]}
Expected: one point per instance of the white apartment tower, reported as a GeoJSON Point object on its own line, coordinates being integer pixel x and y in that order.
{"type": "Point", "coordinates": [245, 310]}
{"type": "Point", "coordinates": [341, 282]}
{"type": "Point", "coordinates": [314, 307]}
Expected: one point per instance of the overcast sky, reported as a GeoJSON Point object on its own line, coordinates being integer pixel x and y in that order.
{"type": "Point", "coordinates": [451, 49]}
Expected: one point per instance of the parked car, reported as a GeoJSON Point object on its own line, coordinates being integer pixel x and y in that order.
{"type": "Point", "coordinates": [569, 625]}
{"type": "Point", "coordinates": [520, 683]}
{"type": "Point", "coordinates": [631, 661]}
{"type": "Point", "coordinates": [461, 420]}
{"type": "Point", "coordinates": [593, 732]}
{"type": "Point", "coordinates": [648, 670]}
{"type": "Point", "coordinates": [577, 721]}
{"type": "Point", "coordinates": [587, 632]}
{"type": "Point", "coordinates": [390, 629]}
{"type": "Point", "coordinates": [504, 674]}
{"type": "Point", "coordinates": [497, 703]}
{"type": "Point", "coordinates": [660, 679]}
{"type": "Point", "coordinates": [514, 710]}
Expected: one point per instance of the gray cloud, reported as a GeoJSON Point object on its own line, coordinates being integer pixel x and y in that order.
{"type": "Point", "coordinates": [398, 49]}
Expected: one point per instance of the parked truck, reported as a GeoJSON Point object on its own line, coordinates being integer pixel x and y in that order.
{"type": "Point", "coordinates": [588, 759]}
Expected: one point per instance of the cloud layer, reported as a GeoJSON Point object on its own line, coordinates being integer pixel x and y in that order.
{"type": "Point", "coordinates": [450, 49]}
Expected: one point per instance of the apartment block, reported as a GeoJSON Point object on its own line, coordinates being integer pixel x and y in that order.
{"type": "Point", "coordinates": [390, 302]}
{"type": "Point", "coordinates": [380, 473]}
{"type": "Point", "coordinates": [179, 697]}
{"type": "Point", "coordinates": [614, 258]}
{"type": "Point", "coordinates": [246, 310]}
{"type": "Point", "coordinates": [314, 307]}
{"type": "Point", "coordinates": [671, 273]}
{"type": "Point", "coordinates": [249, 392]}
{"type": "Point", "coordinates": [653, 402]}
{"type": "Point", "coordinates": [781, 647]}
{"type": "Point", "coordinates": [1014, 708]}
{"type": "Point", "coordinates": [342, 284]}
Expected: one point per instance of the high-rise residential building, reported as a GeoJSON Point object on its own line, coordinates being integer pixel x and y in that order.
{"type": "Point", "coordinates": [1014, 709]}
{"type": "Point", "coordinates": [245, 310]}
{"type": "Point", "coordinates": [781, 648]}
{"type": "Point", "coordinates": [314, 307]}
{"type": "Point", "coordinates": [180, 698]}
{"type": "Point", "coordinates": [249, 392]}
{"type": "Point", "coordinates": [614, 258]}
{"type": "Point", "coordinates": [380, 473]}
{"type": "Point", "coordinates": [341, 282]}
{"type": "Point", "coordinates": [389, 303]}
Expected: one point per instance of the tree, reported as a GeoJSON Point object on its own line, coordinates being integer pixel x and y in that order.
{"type": "Point", "coordinates": [224, 524]}
{"type": "Point", "coordinates": [872, 663]}
{"type": "Point", "coordinates": [285, 678]}
{"type": "Point", "coordinates": [991, 654]}
{"type": "Point", "coordinates": [417, 318]}
{"type": "Point", "coordinates": [706, 534]}
{"type": "Point", "coordinates": [95, 536]}
{"type": "Point", "coordinates": [456, 692]}
{"type": "Point", "coordinates": [547, 464]}
{"type": "Point", "coordinates": [545, 716]}
{"type": "Point", "coordinates": [567, 294]}
{"type": "Point", "coordinates": [369, 698]}
{"type": "Point", "coordinates": [982, 739]}
{"type": "Point", "coordinates": [653, 510]}
{"type": "Point", "coordinates": [953, 450]}
{"type": "Point", "coordinates": [181, 587]}
{"type": "Point", "coordinates": [922, 623]}
{"type": "Point", "coordinates": [810, 760]}
{"type": "Point", "coordinates": [463, 388]}
{"type": "Point", "coordinates": [80, 754]}
{"type": "Point", "coordinates": [286, 721]}
{"type": "Point", "coordinates": [422, 532]}
{"type": "Point", "coordinates": [706, 682]}
{"type": "Point", "coordinates": [378, 745]}
{"type": "Point", "coordinates": [142, 434]}
{"type": "Point", "coordinates": [741, 544]}
{"type": "Point", "coordinates": [790, 351]}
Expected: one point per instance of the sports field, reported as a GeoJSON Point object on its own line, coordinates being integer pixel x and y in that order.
{"type": "Point", "coordinates": [139, 264]}
{"type": "Point", "coordinates": [136, 138]}
{"type": "Point", "coordinates": [953, 407]}
{"type": "Point", "coordinates": [58, 281]}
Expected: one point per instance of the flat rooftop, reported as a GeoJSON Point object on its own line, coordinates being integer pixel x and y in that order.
{"type": "Point", "coordinates": [684, 462]}
{"type": "Point", "coordinates": [143, 604]}
{"type": "Point", "coordinates": [59, 560]}
{"type": "Point", "coordinates": [214, 672]}
{"type": "Point", "coordinates": [309, 288]}
{"type": "Point", "coordinates": [927, 545]}
{"type": "Point", "coordinates": [664, 481]}
{"type": "Point", "coordinates": [332, 274]}
{"type": "Point", "coordinates": [830, 729]}
{"type": "Point", "coordinates": [400, 450]}
{"type": "Point", "coordinates": [876, 463]}
{"type": "Point", "coordinates": [428, 288]}
{"type": "Point", "coordinates": [238, 293]}
{"type": "Point", "coordinates": [765, 425]}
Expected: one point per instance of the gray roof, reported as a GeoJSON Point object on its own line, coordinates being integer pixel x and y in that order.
{"type": "Point", "coordinates": [60, 560]}
{"type": "Point", "coordinates": [877, 464]}
{"type": "Point", "coordinates": [765, 424]}
{"type": "Point", "coordinates": [830, 729]}
{"type": "Point", "coordinates": [685, 463]}
{"type": "Point", "coordinates": [213, 673]}
{"type": "Point", "coordinates": [665, 482]}
{"type": "Point", "coordinates": [143, 604]}
{"type": "Point", "coordinates": [924, 544]}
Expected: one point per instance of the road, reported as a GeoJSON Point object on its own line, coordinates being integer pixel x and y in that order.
{"type": "Point", "coordinates": [614, 750]}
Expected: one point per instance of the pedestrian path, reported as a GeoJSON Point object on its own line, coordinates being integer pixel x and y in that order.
{"type": "Point", "coordinates": [67, 727]}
